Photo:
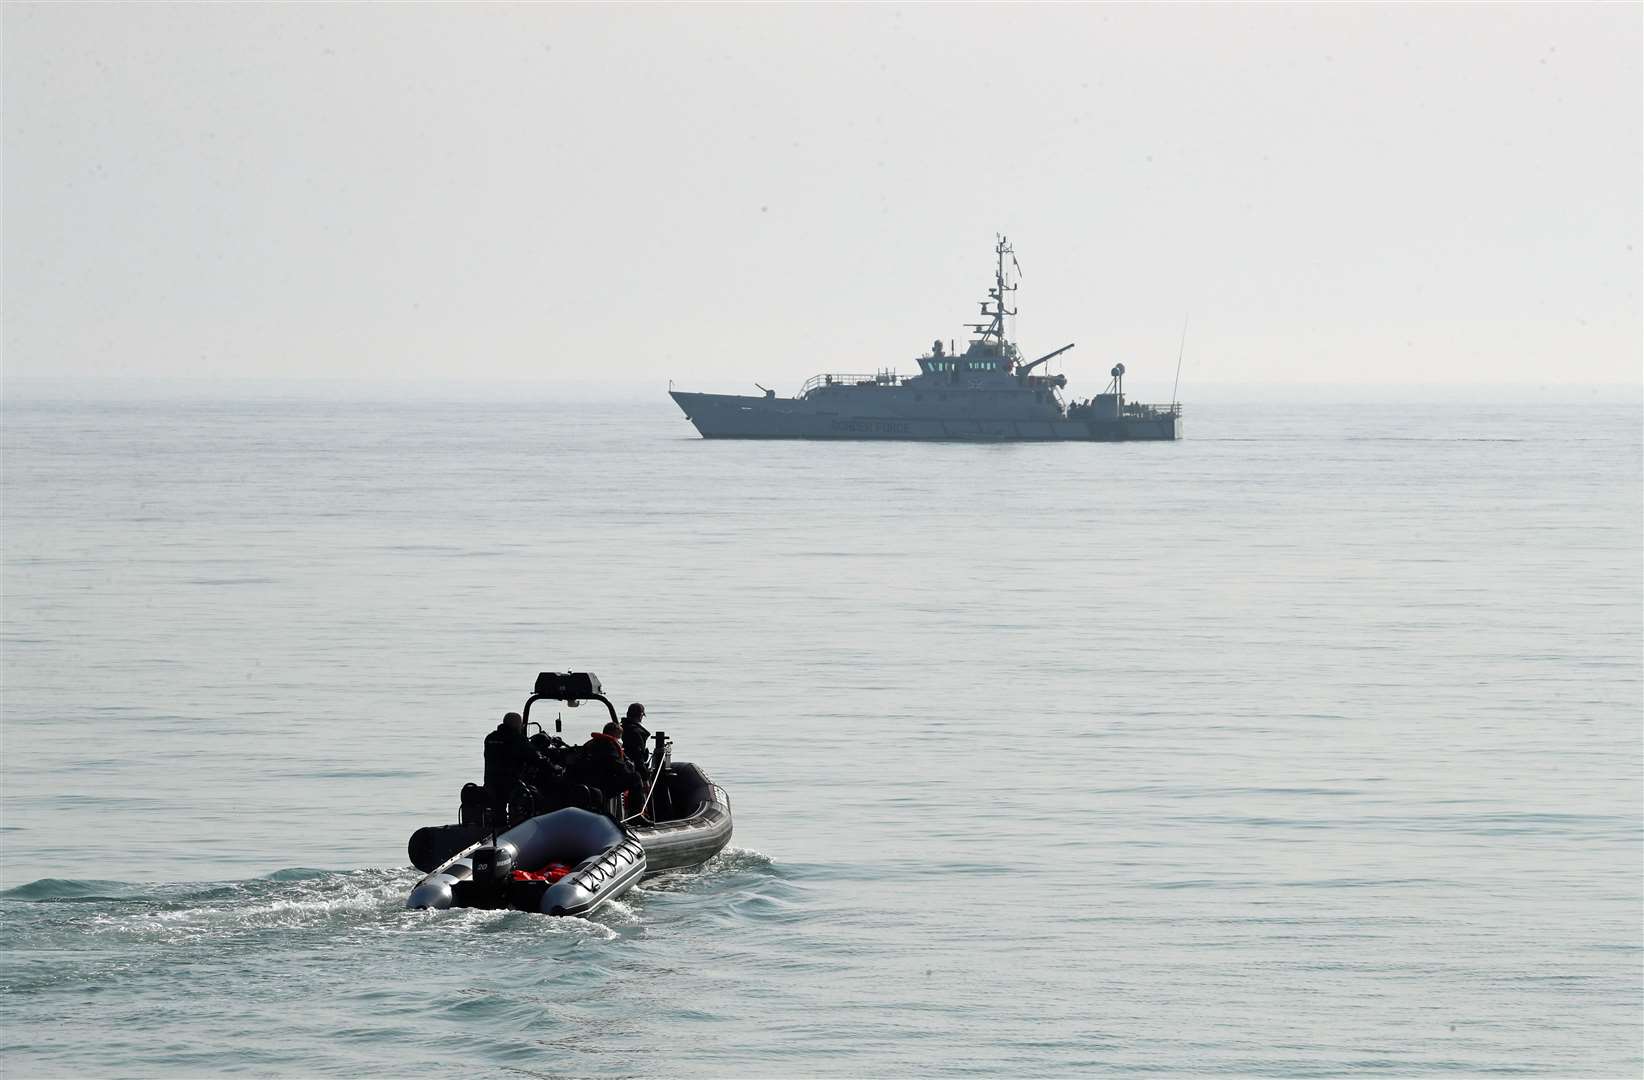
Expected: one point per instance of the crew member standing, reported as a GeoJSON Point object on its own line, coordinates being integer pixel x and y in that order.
{"type": "Point", "coordinates": [507, 752]}
{"type": "Point", "coordinates": [635, 739]}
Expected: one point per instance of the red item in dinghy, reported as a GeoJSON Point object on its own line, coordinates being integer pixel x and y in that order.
{"type": "Point", "coordinates": [550, 873]}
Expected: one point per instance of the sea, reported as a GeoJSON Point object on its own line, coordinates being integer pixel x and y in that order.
{"type": "Point", "coordinates": [1307, 746]}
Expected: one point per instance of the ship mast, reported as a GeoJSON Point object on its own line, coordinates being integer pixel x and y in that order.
{"type": "Point", "coordinates": [994, 328]}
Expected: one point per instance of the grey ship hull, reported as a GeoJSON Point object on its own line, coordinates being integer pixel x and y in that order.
{"type": "Point", "coordinates": [735, 416]}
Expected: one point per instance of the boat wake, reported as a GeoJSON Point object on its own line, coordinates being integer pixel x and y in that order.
{"type": "Point", "coordinates": [728, 870]}
{"type": "Point", "coordinates": [303, 900]}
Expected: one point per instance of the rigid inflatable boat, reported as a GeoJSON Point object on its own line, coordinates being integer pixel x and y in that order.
{"type": "Point", "coordinates": [572, 861]}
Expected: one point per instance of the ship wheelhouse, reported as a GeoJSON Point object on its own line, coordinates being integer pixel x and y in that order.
{"type": "Point", "coordinates": [980, 358]}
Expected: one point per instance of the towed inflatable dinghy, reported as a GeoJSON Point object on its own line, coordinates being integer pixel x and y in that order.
{"type": "Point", "coordinates": [581, 860]}
{"type": "Point", "coordinates": [572, 861]}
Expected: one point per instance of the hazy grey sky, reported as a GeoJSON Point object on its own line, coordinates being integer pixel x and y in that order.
{"type": "Point", "coordinates": [723, 194]}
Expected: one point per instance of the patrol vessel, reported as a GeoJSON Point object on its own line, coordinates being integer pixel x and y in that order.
{"type": "Point", "coordinates": [986, 393]}
{"type": "Point", "coordinates": [572, 861]}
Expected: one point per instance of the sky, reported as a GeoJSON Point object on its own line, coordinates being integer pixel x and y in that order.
{"type": "Point", "coordinates": [1360, 195]}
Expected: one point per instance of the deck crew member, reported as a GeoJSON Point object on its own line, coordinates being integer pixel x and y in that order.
{"type": "Point", "coordinates": [635, 738]}
{"type": "Point", "coordinates": [601, 763]}
{"type": "Point", "coordinates": [507, 755]}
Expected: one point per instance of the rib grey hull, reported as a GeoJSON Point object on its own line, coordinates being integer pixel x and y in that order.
{"type": "Point", "coordinates": [734, 416]}
{"type": "Point", "coordinates": [695, 838]}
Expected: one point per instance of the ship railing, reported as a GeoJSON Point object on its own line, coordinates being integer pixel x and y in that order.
{"type": "Point", "coordinates": [881, 378]}
{"type": "Point", "coordinates": [1137, 408]}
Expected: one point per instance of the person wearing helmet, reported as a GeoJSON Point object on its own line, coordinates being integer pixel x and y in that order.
{"type": "Point", "coordinates": [635, 739]}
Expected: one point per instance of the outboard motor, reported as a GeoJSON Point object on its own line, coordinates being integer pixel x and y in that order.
{"type": "Point", "coordinates": [493, 870]}
{"type": "Point", "coordinates": [492, 865]}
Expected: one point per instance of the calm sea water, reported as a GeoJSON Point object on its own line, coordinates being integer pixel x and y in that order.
{"type": "Point", "coordinates": [1307, 746]}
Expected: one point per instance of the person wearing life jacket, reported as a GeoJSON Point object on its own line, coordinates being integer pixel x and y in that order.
{"type": "Point", "coordinates": [601, 763]}
{"type": "Point", "coordinates": [635, 739]}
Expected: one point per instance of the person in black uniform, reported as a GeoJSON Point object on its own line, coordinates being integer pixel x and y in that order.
{"type": "Point", "coordinates": [549, 774]}
{"type": "Point", "coordinates": [635, 739]}
{"type": "Point", "coordinates": [508, 756]}
{"type": "Point", "coordinates": [601, 763]}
